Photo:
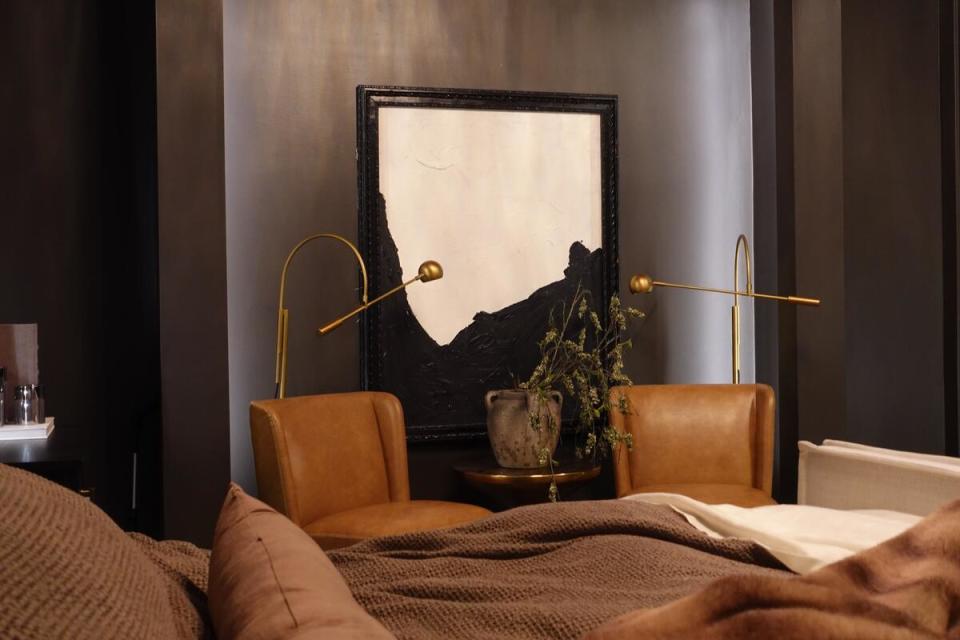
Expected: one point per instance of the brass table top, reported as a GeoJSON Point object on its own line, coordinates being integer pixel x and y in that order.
{"type": "Point", "coordinates": [486, 472]}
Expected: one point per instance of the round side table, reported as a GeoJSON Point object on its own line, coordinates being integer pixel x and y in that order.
{"type": "Point", "coordinates": [515, 487]}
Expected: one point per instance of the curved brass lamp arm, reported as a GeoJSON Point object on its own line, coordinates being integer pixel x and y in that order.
{"type": "Point", "coordinates": [642, 283]}
{"type": "Point", "coordinates": [645, 284]}
{"type": "Point", "coordinates": [742, 242]}
{"type": "Point", "coordinates": [735, 309]}
{"type": "Point", "coordinates": [429, 270]}
{"type": "Point", "coordinates": [280, 370]}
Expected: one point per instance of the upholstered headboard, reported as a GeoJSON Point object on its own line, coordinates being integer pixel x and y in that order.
{"type": "Point", "coordinates": [846, 475]}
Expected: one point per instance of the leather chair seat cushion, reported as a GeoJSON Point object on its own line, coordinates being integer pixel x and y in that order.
{"type": "Point", "coordinates": [735, 494]}
{"type": "Point", "coordinates": [390, 518]}
{"type": "Point", "coordinates": [268, 579]}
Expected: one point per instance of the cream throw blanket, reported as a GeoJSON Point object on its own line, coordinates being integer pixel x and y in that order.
{"type": "Point", "coordinates": [804, 538]}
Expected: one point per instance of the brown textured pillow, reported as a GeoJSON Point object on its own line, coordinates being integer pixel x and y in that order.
{"type": "Point", "coordinates": [67, 571]}
{"type": "Point", "coordinates": [270, 580]}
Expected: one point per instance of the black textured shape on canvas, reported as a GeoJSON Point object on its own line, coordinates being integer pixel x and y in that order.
{"type": "Point", "coordinates": [441, 388]}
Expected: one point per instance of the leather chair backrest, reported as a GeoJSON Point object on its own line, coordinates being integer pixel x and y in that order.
{"type": "Point", "coordinates": [323, 454]}
{"type": "Point", "coordinates": [702, 434]}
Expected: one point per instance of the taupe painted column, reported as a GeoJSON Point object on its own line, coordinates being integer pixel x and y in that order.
{"type": "Point", "coordinates": [193, 282]}
{"type": "Point", "coordinates": [819, 214]}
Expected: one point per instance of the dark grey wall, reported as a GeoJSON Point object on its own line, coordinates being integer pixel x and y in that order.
{"type": "Point", "coordinates": [193, 286]}
{"type": "Point", "coordinates": [681, 69]}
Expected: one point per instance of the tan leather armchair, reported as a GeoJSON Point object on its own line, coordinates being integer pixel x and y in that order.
{"type": "Point", "coordinates": [713, 443]}
{"type": "Point", "coordinates": [336, 465]}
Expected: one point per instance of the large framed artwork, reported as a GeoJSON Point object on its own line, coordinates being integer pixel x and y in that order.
{"type": "Point", "coordinates": [515, 194]}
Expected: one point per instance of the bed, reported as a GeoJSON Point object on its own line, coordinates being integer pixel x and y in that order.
{"type": "Point", "coordinates": [647, 567]}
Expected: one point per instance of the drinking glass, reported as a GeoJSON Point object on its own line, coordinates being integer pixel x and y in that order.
{"type": "Point", "coordinates": [24, 404]}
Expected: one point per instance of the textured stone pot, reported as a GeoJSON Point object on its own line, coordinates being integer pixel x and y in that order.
{"type": "Point", "coordinates": [516, 444]}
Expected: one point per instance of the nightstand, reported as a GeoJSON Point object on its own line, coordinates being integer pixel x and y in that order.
{"type": "Point", "coordinates": [60, 458]}
{"type": "Point", "coordinates": [516, 487]}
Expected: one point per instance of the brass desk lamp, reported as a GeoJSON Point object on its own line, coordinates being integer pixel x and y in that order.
{"type": "Point", "coordinates": [429, 270]}
{"type": "Point", "coordinates": [642, 283]}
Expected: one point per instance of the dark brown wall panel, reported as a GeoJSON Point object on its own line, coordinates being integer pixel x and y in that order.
{"type": "Point", "coordinates": [893, 269]}
{"type": "Point", "coordinates": [819, 213]}
{"type": "Point", "coordinates": [771, 58]}
{"type": "Point", "coordinates": [49, 179]}
{"type": "Point", "coordinates": [950, 155]}
{"type": "Point", "coordinates": [193, 283]}
{"type": "Point", "coordinates": [77, 168]}
{"type": "Point", "coordinates": [872, 237]}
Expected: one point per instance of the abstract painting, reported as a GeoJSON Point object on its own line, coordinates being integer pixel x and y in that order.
{"type": "Point", "coordinates": [514, 193]}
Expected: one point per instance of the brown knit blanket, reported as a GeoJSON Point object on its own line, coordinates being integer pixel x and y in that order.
{"type": "Point", "coordinates": [68, 571]}
{"type": "Point", "coordinates": [544, 571]}
{"type": "Point", "coordinates": [907, 588]}
{"type": "Point", "coordinates": [185, 568]}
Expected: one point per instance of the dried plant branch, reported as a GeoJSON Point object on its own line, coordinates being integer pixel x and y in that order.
{"type": "Point", "coordinates": [583, 359]}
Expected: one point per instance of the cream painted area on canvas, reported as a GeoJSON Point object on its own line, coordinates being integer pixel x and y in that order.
{"type": "Point", "coordinates": [497, 197]}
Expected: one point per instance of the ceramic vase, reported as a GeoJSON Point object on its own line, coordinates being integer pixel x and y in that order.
{"type": "Point", "coordinates": [516, 444]}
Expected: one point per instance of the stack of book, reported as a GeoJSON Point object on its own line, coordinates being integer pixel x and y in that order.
{"type": "Point", "coordinates": [39, 431]}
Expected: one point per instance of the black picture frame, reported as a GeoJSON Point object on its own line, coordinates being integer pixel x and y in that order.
{"type": "Point", "coordinates": [393, 316]}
